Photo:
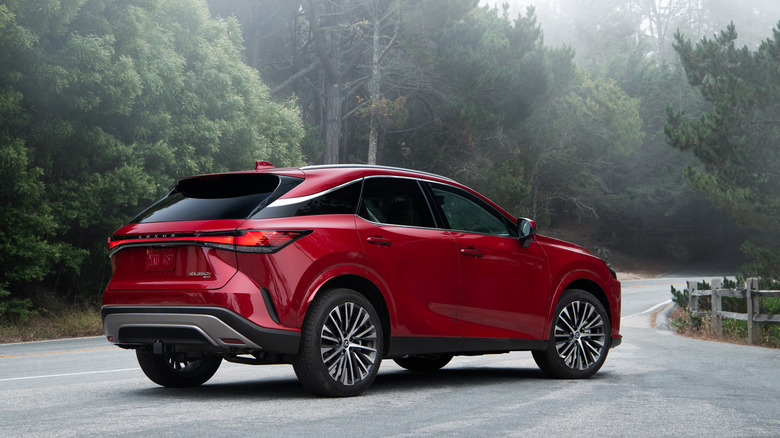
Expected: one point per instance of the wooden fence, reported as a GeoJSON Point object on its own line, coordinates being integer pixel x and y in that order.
{"type": "Point", "coordinates": [750, 293]}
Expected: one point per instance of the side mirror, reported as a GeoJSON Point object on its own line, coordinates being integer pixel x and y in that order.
{"type": "Point", "coordinates": [526, 228]}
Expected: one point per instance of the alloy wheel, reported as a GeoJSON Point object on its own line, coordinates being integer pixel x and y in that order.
{"type": "Point", "coordinates": [348, 343]}
{"type": "Point", "coordinates": [580, 335]}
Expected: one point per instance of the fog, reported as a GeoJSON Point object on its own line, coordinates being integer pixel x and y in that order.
{"type": "Point", "coordinates": [649, 24]}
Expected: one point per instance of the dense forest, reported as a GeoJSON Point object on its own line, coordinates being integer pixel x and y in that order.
{"type": "Point", "coordinates": [653, 124]}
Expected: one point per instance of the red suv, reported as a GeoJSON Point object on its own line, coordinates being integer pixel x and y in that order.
{"type": "Point", "coordinates": [334, 268]}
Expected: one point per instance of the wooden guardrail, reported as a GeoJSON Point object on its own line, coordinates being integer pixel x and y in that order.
{"type": "Point", "coordinates": [751, 293]}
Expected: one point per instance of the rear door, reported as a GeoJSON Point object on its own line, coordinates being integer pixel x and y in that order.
{"type": "Point", "coordinates": [412, 259]}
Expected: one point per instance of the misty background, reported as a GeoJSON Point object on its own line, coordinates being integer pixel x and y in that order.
{"type": "Point", "coordinates": [643, 130]}
{"type": "Point", "coordinates": [651, 23]}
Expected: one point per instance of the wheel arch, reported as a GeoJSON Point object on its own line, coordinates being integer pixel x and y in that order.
{"type": "Point", "coordinates": [592, 288]}
{"type": "Point", "coordinates": [371, 292]}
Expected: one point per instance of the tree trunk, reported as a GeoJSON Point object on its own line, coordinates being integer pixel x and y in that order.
{"type": "Point", "coordinates": [373, 92]}
{"type": "Point", "coordinates": [332, 125]}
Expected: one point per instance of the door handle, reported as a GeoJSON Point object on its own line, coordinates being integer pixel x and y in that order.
{"type": "Point", "coordinates": [471, 252]}
{"type": "Point", "coordinates": [379, 240]}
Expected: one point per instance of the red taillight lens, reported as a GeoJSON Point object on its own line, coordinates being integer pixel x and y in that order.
{"type": "Point", "coordinates": [266, 241]}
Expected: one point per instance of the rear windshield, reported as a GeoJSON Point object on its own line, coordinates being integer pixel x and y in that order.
{"type": "Point", "coordinates": [212, 197]}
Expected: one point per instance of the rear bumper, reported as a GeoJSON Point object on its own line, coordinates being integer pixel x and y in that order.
{"type": "Point", "coordinates": [213, 328]}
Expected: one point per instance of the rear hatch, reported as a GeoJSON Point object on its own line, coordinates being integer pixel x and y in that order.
{"type": "Point", "coordinates": [187, 240]}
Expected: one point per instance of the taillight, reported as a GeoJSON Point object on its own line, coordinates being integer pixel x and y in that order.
{"type": "Point", "coordinates": [265, 241]}
{"type": "Point", "coordinates": [256, 241]}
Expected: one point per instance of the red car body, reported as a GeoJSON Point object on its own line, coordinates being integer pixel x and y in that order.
{"type": "Point", "coordinates": [239, 286]}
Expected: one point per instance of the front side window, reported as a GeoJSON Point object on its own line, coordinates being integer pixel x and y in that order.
{"type": "Point", "coordinates": [395, 201]}
{"type": "Point", "coordinates": [466, 212]}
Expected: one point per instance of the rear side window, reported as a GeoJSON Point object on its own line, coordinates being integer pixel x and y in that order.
{"type": "Point", "coordinates": [213, 197]}
{"type": "Point", "coordinates": [395, 201]}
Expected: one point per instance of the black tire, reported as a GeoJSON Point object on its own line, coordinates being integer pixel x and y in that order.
{"type": "Point", "coordinates": [341, 345]}
{"type": "Point", "coordinates": [423, 362]}
{"type": "Point", "coordinates": [580, 337]}
{"type": "Point", "coordinates": [174, 372]}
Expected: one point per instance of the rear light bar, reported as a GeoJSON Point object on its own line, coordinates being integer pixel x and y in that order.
{"type": "Point", "coordinates": [253, 241]}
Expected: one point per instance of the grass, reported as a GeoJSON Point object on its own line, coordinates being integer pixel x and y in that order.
{"type": "Point", "coordinates": [64, 323]}
{"type": "Point", "coordinates": [734, 331]}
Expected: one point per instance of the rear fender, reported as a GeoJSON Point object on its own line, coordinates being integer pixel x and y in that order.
{"type": "Point", "coordinates": [344, 275]}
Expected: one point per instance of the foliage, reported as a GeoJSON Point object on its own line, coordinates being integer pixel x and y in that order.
{"type": "Point", "coordinates": [765, 264]}
{"type": "Point", "coordinates": [104, 104]}
{"type": "Point", "coordinates": [13, 310]}
{"type": "Point", "coordinates": [737, 141]}
{"type": "Point", "coordinates": [680, 297]}
{"type": "Point", "coordinates": [687, 322]}
{"type": "Point", "coordinates": [475, 93]}
{"type": "Point", "coordinates": [732, 330]}
{"type": "Point", "coordinates": [648, 207]}
{"type": "Point", "coordinates": [771, 305]}
{"type": "Point", "coordinates": [595, 125]}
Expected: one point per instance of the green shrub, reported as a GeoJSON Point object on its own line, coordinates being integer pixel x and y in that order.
{"type": "Point", "coordinates": [13, 310]}
{"type": "Point", "coordinates": [771, 305]}
{"type": "Point", "coordinates": [680, 297]}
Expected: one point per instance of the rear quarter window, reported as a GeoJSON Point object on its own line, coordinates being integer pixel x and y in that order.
{"type": "Point", "coordinates": [341, 200]}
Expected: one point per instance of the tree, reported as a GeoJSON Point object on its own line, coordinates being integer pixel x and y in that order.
{"type": "Point", "coordinates": [111, 100]}
{"type": "Point", "coordinates": [335, 31]}
{"type": "Point", "coordinates": [595, 124]}
{"type": "Point", "coordinates": [737, 141]}
{"type": "Point", "coordinates": [381, 16]}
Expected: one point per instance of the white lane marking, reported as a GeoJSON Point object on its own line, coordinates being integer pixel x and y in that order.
{"type": "Point", "coordinates": [63, 340]}
{"type": "Point", "coordinates": [46, 353]}
{"type": "Point", "coordinates": [648, 310]}
{"type": "Point", "coordinates": [68, 374]}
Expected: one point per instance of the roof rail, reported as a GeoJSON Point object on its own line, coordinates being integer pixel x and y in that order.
{"type": "Point", "coordinates": [370, 166]}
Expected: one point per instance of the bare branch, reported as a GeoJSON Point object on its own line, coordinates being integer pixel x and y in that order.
{"type": "Point", "coordinates": [313, 66]}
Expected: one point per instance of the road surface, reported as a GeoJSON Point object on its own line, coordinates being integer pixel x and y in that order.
{"type": "Point", "coordinates": [655, 384]}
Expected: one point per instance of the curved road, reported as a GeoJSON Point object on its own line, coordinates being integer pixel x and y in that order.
{"type": "Point", "coordinates": [655, 384]}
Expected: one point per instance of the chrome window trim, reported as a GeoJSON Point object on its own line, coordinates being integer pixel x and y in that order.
{"type": "Point", "coordinates": [281, 202]}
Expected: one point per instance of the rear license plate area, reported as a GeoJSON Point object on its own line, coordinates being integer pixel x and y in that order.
{"type": "Point", "coordinates": [160, 259]}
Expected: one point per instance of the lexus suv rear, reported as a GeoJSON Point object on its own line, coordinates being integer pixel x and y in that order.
{"type": "Point", "coordinates": [334, 268]}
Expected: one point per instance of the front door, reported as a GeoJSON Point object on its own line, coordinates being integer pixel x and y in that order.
{"type": "Point", "coordinates": [504, 287]}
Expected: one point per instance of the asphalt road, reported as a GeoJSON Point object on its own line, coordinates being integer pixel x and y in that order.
{"type": "Point", "coordinates": [655, 384]}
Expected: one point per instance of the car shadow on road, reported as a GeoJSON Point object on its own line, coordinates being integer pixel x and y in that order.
{"type": "Point", "coordinates": [401, 380]}
{"type": "Point", "coordinates": [386, 382]}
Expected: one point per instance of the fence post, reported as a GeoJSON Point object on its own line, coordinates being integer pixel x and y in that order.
{"type": "Point", "coordinates": [693, 301]}
{"type": "Point", "coordinates": [717, 307]}
{"type": "Point", "coordinates": [753, 308]}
